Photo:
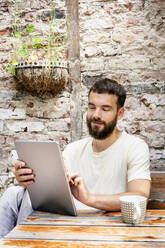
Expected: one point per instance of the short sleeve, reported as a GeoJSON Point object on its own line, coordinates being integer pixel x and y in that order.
{"type": "Point", "coordinates": [138, 161]}
{"type": "Point", "coordinates": [67, 160]}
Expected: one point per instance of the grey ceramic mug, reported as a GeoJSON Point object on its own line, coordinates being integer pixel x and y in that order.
{"type": "Point", "coordinates": [133, 208]}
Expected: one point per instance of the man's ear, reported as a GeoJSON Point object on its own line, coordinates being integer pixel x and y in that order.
{"type": "Point", "coordinates": [120, 113]}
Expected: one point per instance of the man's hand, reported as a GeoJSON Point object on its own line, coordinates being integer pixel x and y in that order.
{"type": "Point", "coordinates": [24, 174]}
{"type": "Point", "coordinates": [79, 189]}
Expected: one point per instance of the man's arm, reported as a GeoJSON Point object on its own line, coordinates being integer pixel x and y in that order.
{"type": "Point", "coordinates": [106, 202]}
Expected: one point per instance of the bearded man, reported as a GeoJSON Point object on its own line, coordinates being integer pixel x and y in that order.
{"type": "Point", "coordinates": [102, 168]}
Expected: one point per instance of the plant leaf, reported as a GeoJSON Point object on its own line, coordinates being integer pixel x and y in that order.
{"type": "Point", "coordinates": [17, 34]}
{"type": "Point", "coordinates": [30, 29]}
{"type": "Point", "coordinates": [22, 52]}
{"type": "Point", "coordinates": [14, 62]}
{"type": "Point", "coordinates": [34, 46]}
{"type": "Point", "coordinates": [37, 40]}
{"type": "Point", "coordinates": [26, 44]}
{"type": "Point", "coordinates": [7, 67]}
{"type": "Point", "coordinates": [12, 70]}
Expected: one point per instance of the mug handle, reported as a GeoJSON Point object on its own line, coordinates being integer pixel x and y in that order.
{"type": "Point", "coordinates": [137, 213]}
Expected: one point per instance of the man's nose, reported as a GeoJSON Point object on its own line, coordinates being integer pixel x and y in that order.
{"type": "Point", "coordinates": [97, 114]}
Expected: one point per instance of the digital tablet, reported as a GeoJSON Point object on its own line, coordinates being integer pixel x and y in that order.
{"type": "Point", "coordinates": [51, 191]}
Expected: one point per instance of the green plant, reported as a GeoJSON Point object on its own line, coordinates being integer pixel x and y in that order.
{"type": "Point", "coordinates": [28, 46]}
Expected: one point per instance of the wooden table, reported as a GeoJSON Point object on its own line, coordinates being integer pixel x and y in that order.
{"type": "Point", "coordinates": [89, 229]}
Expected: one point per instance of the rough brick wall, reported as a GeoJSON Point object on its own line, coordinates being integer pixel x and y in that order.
{"type": "Point", "coordinates": [123, 40]}
{"type": "Point", "coordinates": [22, 115]}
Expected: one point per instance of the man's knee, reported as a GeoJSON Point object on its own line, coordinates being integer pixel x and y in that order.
{"type": "Point", "coordinates": [9, 208]}
{"type": "Point", "coordinates": [13, 195]}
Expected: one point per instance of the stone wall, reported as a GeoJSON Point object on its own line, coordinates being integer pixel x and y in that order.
{"type": "Point", "coordinates": [123, 40]}
{"type": "Point", "coordinates": [21, 114]}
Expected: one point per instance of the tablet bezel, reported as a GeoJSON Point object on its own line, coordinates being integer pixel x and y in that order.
{"type": "Point", "coordinates": [51, 191]}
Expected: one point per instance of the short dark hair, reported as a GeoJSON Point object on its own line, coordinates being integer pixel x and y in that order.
{"type": "Point", "coordinates": [111, 87]}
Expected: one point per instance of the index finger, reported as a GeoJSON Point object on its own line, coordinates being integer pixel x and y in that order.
{"type": "Point", "coordinates": [74, 175]}
{"type": "Point", "coordinates": [19, 164]}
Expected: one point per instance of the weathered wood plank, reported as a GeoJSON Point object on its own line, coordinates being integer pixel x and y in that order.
{"type": "Point", "coordinates": [156, 204]}
{"type": "Point", "coordinates": [93, 214]}
{"type": "Point", "coordinates": [8, 243]}
{"type": "Point", "coordinates": [74, 67]}
{"type": "Point", "coordinates": [88, 233]}
{"type": "Point", "coordinates": [157, 196]}
{"type": "Point", "coordinates": [103, 235]}
{"type": "Point", "coordinates": [158, 182]}
{"type": "Point", "coordinates": [108, 221]}
{"type": "Point", "coordinates": [81, 213]}
{"type": "Point", "coordinates": [153, 217]}
{"type": "Point", "coordinates": [155, 212]}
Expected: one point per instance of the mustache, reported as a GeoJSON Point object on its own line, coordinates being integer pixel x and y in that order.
{"type": "Point", "coordinates": [97, 120]}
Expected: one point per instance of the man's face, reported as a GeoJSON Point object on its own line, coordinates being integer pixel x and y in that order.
{"type": "Point", "coordinates": [102, 114]}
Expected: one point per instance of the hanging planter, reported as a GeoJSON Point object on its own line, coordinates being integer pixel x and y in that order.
{"type": "Point", "coordinates": [42, 77]}
{"type": "Point", "coordinates": [32, 73]}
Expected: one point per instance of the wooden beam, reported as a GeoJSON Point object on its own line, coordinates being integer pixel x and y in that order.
{"type": "Point", "coordinates": [74, 67]}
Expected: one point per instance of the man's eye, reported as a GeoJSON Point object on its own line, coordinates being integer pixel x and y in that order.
{"type": "Point", "coordinates": [106, 109]}
{"type": "Point", "coordinates": [91, 107]}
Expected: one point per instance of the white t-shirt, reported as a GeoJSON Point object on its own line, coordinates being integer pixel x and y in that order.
{"type": "Point", "coordinates": [109, 171]}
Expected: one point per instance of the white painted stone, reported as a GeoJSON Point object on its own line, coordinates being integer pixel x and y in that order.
{"type": "Point", "coordinates": [93, 64]}
{"type": "Point", "coordinates": [157, 154]}
{"type": "Point", "coordinates": [154, 126]}
{"type": "Point", "coordinates": [3, 179]}
{"type": "Point", "coordinates": [132, 103]}
{"type": "Point", "coordinates": [161, 99]}
{"type": "Point", "coordinates": [150, 100]}
{"type": "Point", "coordinates": [91, 51]}
{"type": "Point", "coordinates": [137, 114]}
{"type": "Point", "coordinates": [12, 114]}
{"type": "Point", "coordinates": [109, 50]}
{"type": "Point", "coordinates": [1, 126]}
{"type": "Point", "coordinates": [7, 94]}
{"type": "Point", "coordinates": [93, 36]}
{"type": "Point", "coordinates": [159, 142]}
{"type": "Point", "coordinates": [159, 114]}
{"type": "Point", "coordinates": [127, 62]}
{"type": "Point", "coordinates": [98, 23]}
{"type": "Point", "coordinates": [23, 126]}
{"type": "Point", "coordinates": [59, 125]}
{"type": "Point", "coordinates": [13, 157]}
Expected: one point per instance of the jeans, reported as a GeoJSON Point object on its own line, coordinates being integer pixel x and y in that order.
{"type": "Point", "coordinates": [15, 205]}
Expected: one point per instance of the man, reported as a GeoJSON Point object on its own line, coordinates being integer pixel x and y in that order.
{"type": "Point", "coordinates": [102, 168]}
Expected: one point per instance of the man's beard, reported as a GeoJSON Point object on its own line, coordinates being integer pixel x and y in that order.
{"type": "Point", "coordinates": [105, 132]}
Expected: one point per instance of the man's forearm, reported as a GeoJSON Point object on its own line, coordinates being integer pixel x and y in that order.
{"type": "Point", "coordinates": [112, 202]}
{"type": "Point", "coordinates": [107, 202]}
